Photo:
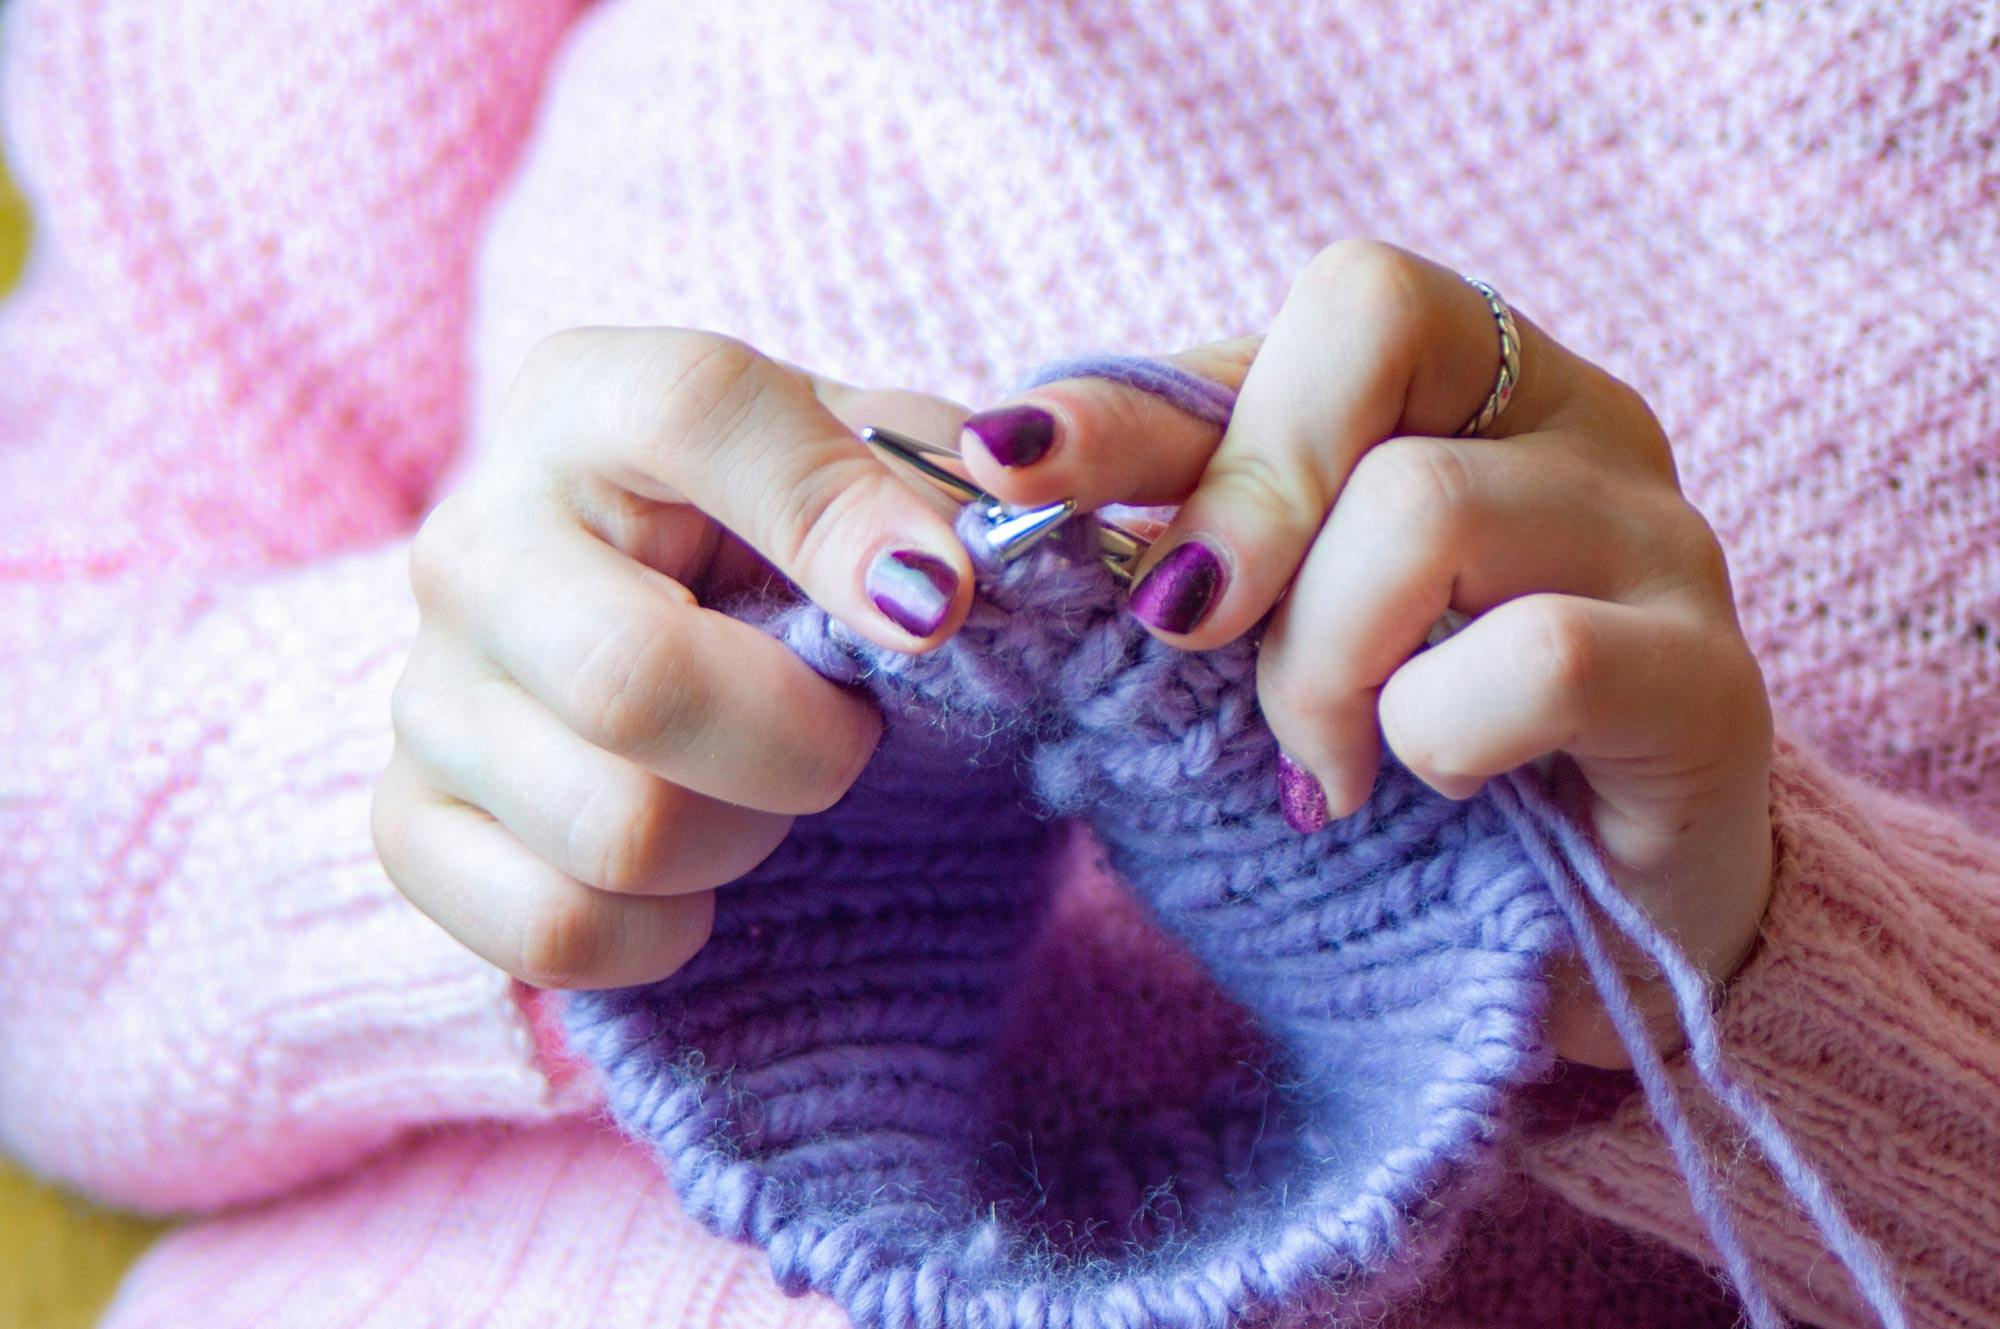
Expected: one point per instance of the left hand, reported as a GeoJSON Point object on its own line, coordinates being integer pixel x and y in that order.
{"type": "Point", "coordinates": [1602, 623]}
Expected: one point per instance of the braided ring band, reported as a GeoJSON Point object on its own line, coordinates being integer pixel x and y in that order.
{"type": "Point", "coordinates": [1510, 361]}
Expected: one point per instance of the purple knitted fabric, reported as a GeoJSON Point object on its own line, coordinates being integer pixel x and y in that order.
{"type": "Point", "coordinates": [829, 1077]}
{"type": "Point", "coordinates": [815, 1078]}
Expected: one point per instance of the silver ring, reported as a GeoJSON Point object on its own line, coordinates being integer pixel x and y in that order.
{"type": "Point", "coordinates": [1510, 361]}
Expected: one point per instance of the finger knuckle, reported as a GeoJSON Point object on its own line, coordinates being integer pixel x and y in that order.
{"type": "Point", "coordinates": [546, 373]}
{"type": "Point", "coordinates": [1564, 650]}
{"type": "Point", "coordinates": [563, 942]}
{"type": "Point", "coordinates": [431, 706]}
{"type": "Point", "coordinates": [633, 688]}
{"type": "Point", "coordinates": [440, 548]}
{"type": "Point", "coordinates": [659, 388]}
{"type": "Point", "coordinates": [1702, 556]}
{"type": "Point", "coordinates": [810, 521]}
{"type": "Point", "coordinates": [1414, 482]}
{"type": "Point", "coordinates": [703, 390]}
{"type": "Point", "coordinates": [1632, 418]}
{"type": "Point", "coordinates": [1375, 279]}
{"type": "Point", "coordinates": [389, 829]}
{"type": "Point", "coordinates": [1745, 702]}
{"type": "Point", "coordinates": [1305, 699]}
{"type": "Point", "coordinates": [620, 837]}
{"type": "Point", "coordinates": [1288, 493]}
{"type": "Point", "coordinates": [411, 708]}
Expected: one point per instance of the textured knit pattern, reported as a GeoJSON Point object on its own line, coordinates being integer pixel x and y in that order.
{"type": "Point", "coordinates": [267, 234]}
{"type": "Point", "coordinates": [820, 1078]}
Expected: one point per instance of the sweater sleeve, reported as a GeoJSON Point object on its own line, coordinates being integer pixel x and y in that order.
{"type": "Point", "coordinates": [229, 382]}
{"type": "Point", "coordinates": [1869, 1020]}
{"type": "Point", "coordinates": [212, 991]}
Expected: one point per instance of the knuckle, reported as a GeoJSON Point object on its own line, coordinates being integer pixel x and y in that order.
{"type": "Point", "coordinates": [424, 703]}
{"type": "Point", "coordinates": [620, 835]}
{"type": "Point", "coordinates": [1264, 483]}
{"type": "Point", "coordinates": [1564, 651]}
{"type": "Point", "coordinates": [410, 711]}
{"type": "Point", "coordinates": [563, 941]}
{"type": "Point", "coordinates": [1625, 399]}
{"type": "Point", "coordinates": [1304, 699]}
{"type": "Point", "coordinates": [810, 521]}
{"type": "Point", "coordinates": [439, 548]}
{"type": "Point", "coordinates": [388, 829]}
{"type": "Point", "coordinates": [661, 389]}
{"type": "Point", "coordinates": [545, 373]}
{"type": "Point", "coordinates": [1745, 702]}
{"type": "Point", "coordinates": [1414, 482]}
{"type": "Point", "coordinates": [700, 392]}
{"type": "Point", "coordinates": [1375, 279]}
{"type": "Point", "coordinates": [632, 688]}
{"type": "Point", "coordinates": [1634, 420]}
{"type": "Point", "coordinates": [1702, 555]}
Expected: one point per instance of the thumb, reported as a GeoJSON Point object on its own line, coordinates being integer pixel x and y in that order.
{"type": "Point", "coordinates": [1101, 440]}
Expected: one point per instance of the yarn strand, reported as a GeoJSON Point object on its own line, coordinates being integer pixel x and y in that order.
{"type": "Point", "coordinates": [1691, 999]}
{"type": "Point", "coordinates": [1575, 871]}
{"type": "Point", "coordinates": [1516, 799]}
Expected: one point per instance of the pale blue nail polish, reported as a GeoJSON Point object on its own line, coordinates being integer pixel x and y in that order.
{"type": "Point", "coordinates": [913, 590]}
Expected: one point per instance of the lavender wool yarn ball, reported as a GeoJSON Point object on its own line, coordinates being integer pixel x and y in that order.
{"type": "Point", "coordinates": [819, 1079]}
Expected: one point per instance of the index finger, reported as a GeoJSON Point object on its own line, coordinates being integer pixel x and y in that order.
{"type": "Point", "coordinates": [677, 416]}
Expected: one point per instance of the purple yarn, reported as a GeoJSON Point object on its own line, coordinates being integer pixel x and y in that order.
{"type": "Point", "coordinates": [819, 1079]}
{"type": "Point", "coordinates": [1201, 398]}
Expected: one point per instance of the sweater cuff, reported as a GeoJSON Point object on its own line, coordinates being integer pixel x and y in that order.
{"type": "Point", "coordinates": [1865, 1019]}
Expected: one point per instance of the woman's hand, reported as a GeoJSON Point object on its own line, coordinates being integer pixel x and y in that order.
{"type": "Point", "coordinates": [582, 749]}
{"type": "Point", "coordinates": [1602, 624]}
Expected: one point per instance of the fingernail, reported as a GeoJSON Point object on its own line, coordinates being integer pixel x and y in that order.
{"type": "Point", "coordinates": [1301, 797]}
{"type": "Point", "coordinates": [1180, 590]}
{"type": "Point", "coordinates": [914, 591]}
{"type": "Point", "coordinates": [1014, 435]}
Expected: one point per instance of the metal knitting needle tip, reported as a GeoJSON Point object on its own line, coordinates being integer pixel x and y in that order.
{"type": "Point", "coordinates": [1122, 550]}
{"type": "Point", "coordinates": [917, 454]}
{"type": "Point", "coordinates": [1012, 532]}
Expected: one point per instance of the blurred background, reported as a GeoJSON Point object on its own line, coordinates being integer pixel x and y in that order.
{"type": "Point", "coordinates": [59, 1258]}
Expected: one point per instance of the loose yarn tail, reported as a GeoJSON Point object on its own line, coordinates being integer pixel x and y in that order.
{"type": "Point", "coordinates": [1577, 877]}
{"type": "Point", "coordinates": [1574, 870]}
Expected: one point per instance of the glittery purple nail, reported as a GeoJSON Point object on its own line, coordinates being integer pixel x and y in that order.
{"type": "Point", "coordinates": [1180, 590]}
{"type": "Point", "coordinates": [1301, 797]}
{"type": "Point", "coordinates": [1014, 435]}
{"type": "Point", "coordinates": [914, 591]}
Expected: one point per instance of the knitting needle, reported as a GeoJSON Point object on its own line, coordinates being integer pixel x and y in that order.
{"type": "Point", "coordinates": [1011, 531]}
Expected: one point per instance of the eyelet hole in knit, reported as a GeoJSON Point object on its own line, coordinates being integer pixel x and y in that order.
{"type": "Point", "coordinates": [942, 1093]}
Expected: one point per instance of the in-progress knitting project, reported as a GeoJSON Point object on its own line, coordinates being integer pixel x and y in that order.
{"type": "Point", "coordinates": [828, 1078]}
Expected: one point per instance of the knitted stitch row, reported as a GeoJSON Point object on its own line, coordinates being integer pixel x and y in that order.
{"type": "Point", "coordinates": [822, 1078]}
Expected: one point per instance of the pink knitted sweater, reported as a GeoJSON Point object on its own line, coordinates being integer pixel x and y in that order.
{"type": "Point", "coordinates": [288, 255]}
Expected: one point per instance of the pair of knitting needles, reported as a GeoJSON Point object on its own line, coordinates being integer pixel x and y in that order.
{"type": "Point", "coordinates": [1010, 531]}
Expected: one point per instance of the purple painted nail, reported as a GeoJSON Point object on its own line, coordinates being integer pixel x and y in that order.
{"type": "Point", "coordinates": [1301, 797]}
{"type": "Point", "coordinates": [1015, 435]}
{"type": "Point", "coordinates": [914, 591]}
{"type": "Point", "coordinates": [1180, 590]}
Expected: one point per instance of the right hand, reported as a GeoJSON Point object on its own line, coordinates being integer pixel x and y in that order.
{"type": "Point", "coordinates": [583, 751]}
